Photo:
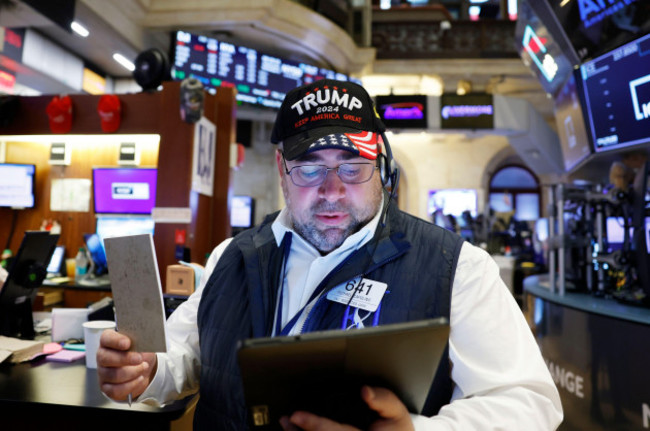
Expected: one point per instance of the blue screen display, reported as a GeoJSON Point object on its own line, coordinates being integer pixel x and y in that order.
{"type": "Point", "coordinates": [616, 89]}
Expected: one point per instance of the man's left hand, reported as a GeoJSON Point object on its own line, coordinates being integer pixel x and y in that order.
{"type": "Point", "coordinates": [393, 413]}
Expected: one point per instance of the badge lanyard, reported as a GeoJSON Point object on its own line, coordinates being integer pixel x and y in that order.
{"type": "Point", "coordinates": [283, 331]}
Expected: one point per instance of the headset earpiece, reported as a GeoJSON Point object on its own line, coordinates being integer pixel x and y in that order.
{"type": "Point", "coordinates": [388, 169]}
{"type": "Point", "coordinates": [384, 169]}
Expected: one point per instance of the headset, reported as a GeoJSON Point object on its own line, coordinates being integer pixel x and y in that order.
{"type": "Point", "coordinates": [389, 174]}
{"type": "Point", "coordinates": [388, 169]}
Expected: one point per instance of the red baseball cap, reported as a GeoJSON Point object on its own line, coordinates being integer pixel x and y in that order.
{"type": "Point", "coordinates": [59, 111]}
{"type": "Point", "coordinates": [110, 112]}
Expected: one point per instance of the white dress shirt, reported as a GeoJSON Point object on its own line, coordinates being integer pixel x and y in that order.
{"type": "Point", "coordinates": [500, 379]}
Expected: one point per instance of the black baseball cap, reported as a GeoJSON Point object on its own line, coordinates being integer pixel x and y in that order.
{"type": "Point", "coordinates": [328, 114]}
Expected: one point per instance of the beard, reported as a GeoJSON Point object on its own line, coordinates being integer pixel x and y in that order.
{"type": "Point", "coordinates": [325, 237]}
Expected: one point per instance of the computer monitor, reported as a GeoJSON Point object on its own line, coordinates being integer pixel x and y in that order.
{"type": "Point", "coordinates": [242, 212]}
{"type": "Point", "coordinates": [571, 129]}
{"type": "Point", "coordinates": [616, 92]}
{"type": "Point", "coordinates": [615, 228]}
{"type": "Point", "coordinates": [17, 185]}
{"type": "Point", "coordinates": [26, 273]}
{"type": "Point", "coordinates": [113, 225]}
{"type": "Point", "coordinates": [55, 266]}
{"type": "Point", "coordinates": [124, 190]}
{"type": "Point", "coordinates": [98, 263]}
{"type": "Point", "coordinates": [453, 201]}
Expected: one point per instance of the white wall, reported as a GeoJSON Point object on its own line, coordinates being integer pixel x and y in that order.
{"type": "Point", "coordinates": [442, 161]}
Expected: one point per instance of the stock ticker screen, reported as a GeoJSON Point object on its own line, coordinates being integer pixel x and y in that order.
{"type": "Point", "coordinates": [616, 89]}
{"type": "Point", "coordinates": [260, 79]}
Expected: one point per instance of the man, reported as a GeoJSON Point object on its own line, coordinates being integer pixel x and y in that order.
{"type": "Point", "coordinates": [338, 225]}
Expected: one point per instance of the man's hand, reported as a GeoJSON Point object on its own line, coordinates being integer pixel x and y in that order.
{"type": "Point", "coordinates": [394, 415]}
{"type": "Point", "coordinates": [122, 372]}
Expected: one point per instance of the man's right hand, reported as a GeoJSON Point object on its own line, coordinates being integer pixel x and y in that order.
{"type": "Point", "coordinates": [122, 372]}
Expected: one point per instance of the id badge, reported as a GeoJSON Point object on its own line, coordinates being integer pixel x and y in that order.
{"type": "Point", "coordinates": [366, 294]}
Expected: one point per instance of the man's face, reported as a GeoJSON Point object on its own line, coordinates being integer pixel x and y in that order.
{"type": "Point", "coordinates": [327, 214]}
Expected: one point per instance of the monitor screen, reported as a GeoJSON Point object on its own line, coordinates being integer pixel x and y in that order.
{"type": "Point", "coordinates": [260, 79]}
{"type": "Point", "coordinates": [403, 112]}
{"type": "Point", "coordinates": [111, 226]}
{"type": "Point", "coordinates": [453, 201]}
{"type": "Point", "coordinates": [56, 262]}
{"type": "Point", "coordinates": [124, 190]}
{"type": "Point", "coordinates": [595, 27]}
{"type": "Point", "coordinates": [470, 111]}
{"type": "Point", "coordinates": [242, 211]}
{"type": "Point", "coordinates": [17, 185]}
{"type": "Point", "coordinates": [541, 229]}
{"type": "Point", "coordinates": [616, 91]}
{"type": "Point", "coordinates": [97, 253]}
{"type": "Point", "coordinates": [539, 49]}
{"type": "Point", "coordinates": [571, 129]}
{"type": "Point", "coordinates": [615, 229]}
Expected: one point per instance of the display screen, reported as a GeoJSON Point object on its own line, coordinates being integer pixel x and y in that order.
{"type": "Point", "coordinates": [470, 111]}
{"type": "Point", "coordinates": [539, 50]}
{"type": "Point", "coordinates": [595, 27]}
{"type": "Point", "coordinates": [571, 125]}
{"type": "Point", "coordinates": [453, 201]}
{"type": "Point", "coordinates": [615, 229]}
{"type": "Point", "coordinates": [56, 261]}
{"type": "Point", "coordinates": [111, 226]}
{"type": "Point", "coordinates": [242, 211]}
{"type": "Point", "coordinates": [124, 190]}
{"type": "Point", "coordinates": [616, 90]}
{"type": "Point", "coordinates": [260, 79]}
{"type": "Point", "coordinates": [403, 112]}
{"type": "Point", "coordinates": [17, 185]}
{"type": "Point", "coordinates": [97, 253]}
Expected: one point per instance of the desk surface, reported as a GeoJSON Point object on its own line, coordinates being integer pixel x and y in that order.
{"type": "Point", "coordinates": [73, 284]}
{"type": "Point", "coordinates": [69, 394]}
{"type": "Point", "coordinates": [538, 285]}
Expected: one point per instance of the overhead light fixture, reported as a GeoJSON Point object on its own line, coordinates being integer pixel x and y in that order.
{"type": "Point", "coordinates": [464, 87]}
{"type": "Point", "coordinates": [125, 62]}
{"type": "Point", "coordinates": [79, 29]}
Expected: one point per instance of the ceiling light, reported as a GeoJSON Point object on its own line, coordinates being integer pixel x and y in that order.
{"type": "Point", "coordinates": [79, 29]}
{"type": "Point", "coordinates": [125, 62]}
{"type": "Point", "coordinates": [464, 87]}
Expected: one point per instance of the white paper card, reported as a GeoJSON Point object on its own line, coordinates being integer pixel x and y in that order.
{"type": "Point", "coordinates": [137, 291]}
{"type": "Point", "coordinates": [362, 293]}
{"type": "Point", "coordinates": [70, 194]}
{"type": "Point", "coordinates": [203, 159]}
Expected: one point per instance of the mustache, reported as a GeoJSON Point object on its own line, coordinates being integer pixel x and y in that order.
{"type": "Point", "coordinates": [325, 206]}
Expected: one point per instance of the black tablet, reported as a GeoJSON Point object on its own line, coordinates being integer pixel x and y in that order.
{"type": "Point", "coordinates": [322, 372]}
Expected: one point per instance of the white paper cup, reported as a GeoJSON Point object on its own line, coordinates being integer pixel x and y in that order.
{"type": "Point", "coordinates": [92, 331]}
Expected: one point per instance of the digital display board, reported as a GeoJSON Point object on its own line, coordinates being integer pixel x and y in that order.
{"type": "Point", "coordinates": [403, 112]}
{"type": "Point", "coordinates": [540, 51]}
{"type": "Point", "coordinates": [260, 79]}
{"type": "Point", "coordinates": [470, 111]}
{"type": "Point", "coordinates": [616, 90]}
{"type": "Point", "coordinates": [595, 27]}
{"type": "Point", "coordinates": [571, 129]}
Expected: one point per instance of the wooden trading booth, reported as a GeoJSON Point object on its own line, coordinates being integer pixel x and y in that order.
{"type": "Point", "coordinates": [155, 113]}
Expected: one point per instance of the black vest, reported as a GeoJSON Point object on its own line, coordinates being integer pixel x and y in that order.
{"type": "Point", "coordinates": [416, 259]}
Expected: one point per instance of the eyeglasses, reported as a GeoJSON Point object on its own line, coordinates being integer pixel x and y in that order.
{"type": "Point", "coordinates": [314, 175]}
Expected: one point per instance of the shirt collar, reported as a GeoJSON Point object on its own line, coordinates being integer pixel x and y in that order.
{"type": "Point", "coordinates": [281, 225]}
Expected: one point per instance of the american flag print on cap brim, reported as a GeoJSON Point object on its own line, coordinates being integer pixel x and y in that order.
{"type": "Point", "coordinates": [366, 143]}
